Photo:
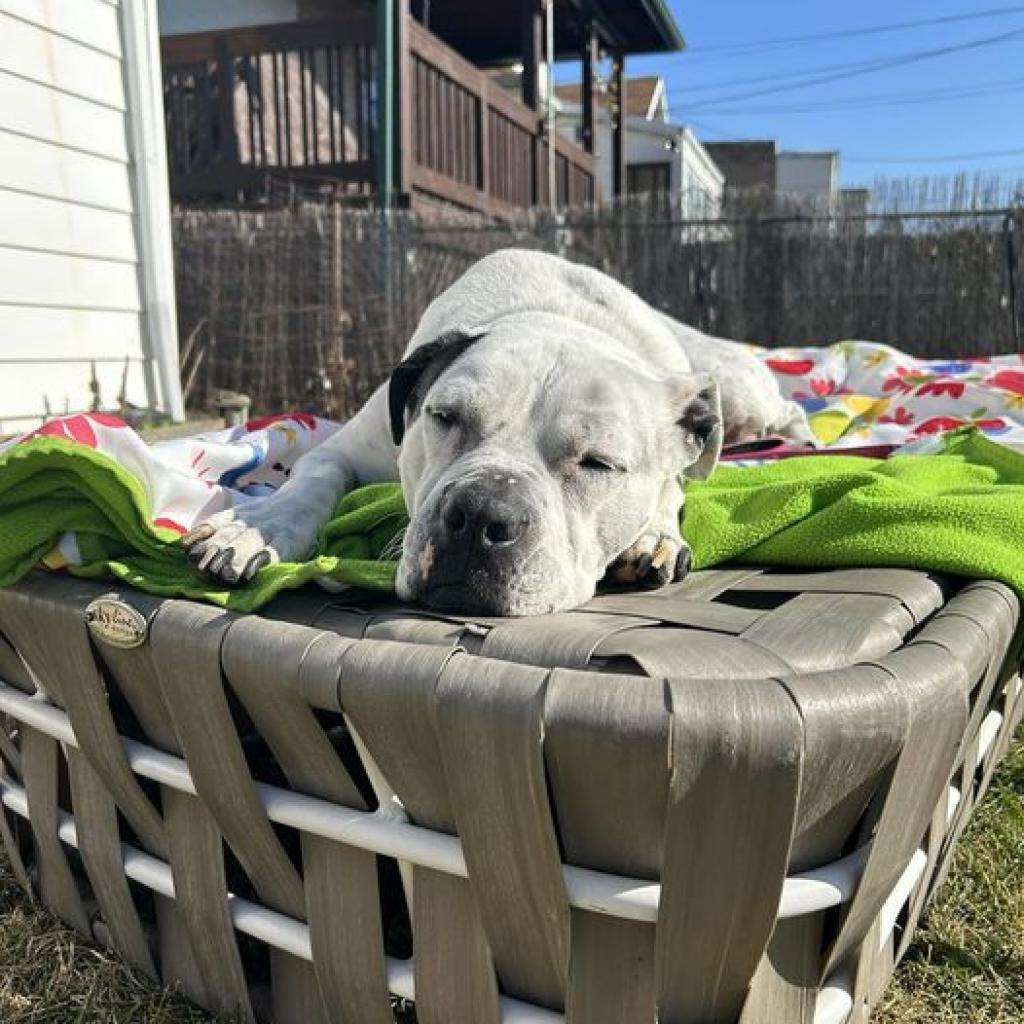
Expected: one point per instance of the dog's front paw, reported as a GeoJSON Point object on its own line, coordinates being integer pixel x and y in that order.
{"type": "Point", "coordinates": [233, 546]}
{"type": "Point", "coordinates": [654, 560]}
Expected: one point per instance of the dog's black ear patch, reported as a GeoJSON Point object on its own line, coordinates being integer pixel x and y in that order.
{"type": "Point", "coordinates": [411, 378]}
{"type": "Point", "coordinates": [701, 419]}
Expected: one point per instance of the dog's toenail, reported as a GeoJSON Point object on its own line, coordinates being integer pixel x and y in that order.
{"type": "Point", "coordinates": [202, 532]}
{"type": "Point", "coordinates": [211, 552]}
{"type": "Point", "coordinates": [257, 562]}
{"type": "Point", "coordinates": [661, 553]}
{"type": "Point", "coordinates": [221, 562]}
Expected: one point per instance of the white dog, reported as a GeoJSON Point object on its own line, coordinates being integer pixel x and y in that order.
{"type": "Point", "coordinates": [540, 423]}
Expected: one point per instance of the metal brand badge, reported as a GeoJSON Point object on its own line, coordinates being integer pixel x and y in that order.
{"type": "Point", "coordinates": [116, 623]}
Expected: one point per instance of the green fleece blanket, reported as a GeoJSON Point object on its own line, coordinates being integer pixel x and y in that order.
{"type": "Point", "coordinates": [960, 511]}
{"type": "Point", "coordinates": [49, 486]}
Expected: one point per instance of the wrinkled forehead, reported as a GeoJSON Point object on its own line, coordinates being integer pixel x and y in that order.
{"type": "Point", "coordinates": [570, 382]}
{"type": "Point", "coordinates": [598, 399]}
{"type": "Point", "coordinates": [562, 395]}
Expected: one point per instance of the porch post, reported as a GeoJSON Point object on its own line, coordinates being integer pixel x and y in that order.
{"type": "Point", "coordinates": [385, 135]}
{"type": "Point", "coordinates": [550, 190]}
{"type": "Point", "coordinates": [403, 102]}
{"type": "Point", "coordinates": [590, 59]}
{"type": "Point", "coordinates": [228, 153]}
{"type": "Point", "coordinates": [618, 125]}
{"type": "Point", "coordinates": [532, 35]}
{"type": "Point", "coordinates": [531, 26]}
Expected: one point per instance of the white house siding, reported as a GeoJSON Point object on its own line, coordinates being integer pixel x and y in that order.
{"type": "Point", "coordinates": [647, 143]}
{"type": "Point", "coordinates": [694, 178]}
{"type": "Point", "coordinates": [702, 184]}
{"type": "Point", "coordinates": [86, 291]}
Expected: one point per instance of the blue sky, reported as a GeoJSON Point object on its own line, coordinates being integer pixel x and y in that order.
{"type": "Point", "coordinates": [990, 118]}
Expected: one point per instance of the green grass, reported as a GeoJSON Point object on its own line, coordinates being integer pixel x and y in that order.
{"type": "Point", "coordinates": [966, 966]}
{"type": "Point", "coordinates": [967, 963]}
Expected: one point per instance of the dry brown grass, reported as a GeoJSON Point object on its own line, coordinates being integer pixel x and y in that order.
{"type": "Point", "coordinates": [48, 975]}
{"type": "Point", "coordinates": [966, 967]}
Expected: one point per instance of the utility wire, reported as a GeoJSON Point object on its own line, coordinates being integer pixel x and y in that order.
{"type": "Point", "coordinates": [724, 135]}
{"type": "Point", "coordinates": [931, 159]}
{"type": "Point", "coordinates": [866, 102]}
{"type": "Point", "coordinates": [820, 76]}
{"type": "Point", "coordinates": [781, 42]}
{"type": "Point", "coordinates": [778, 76]}
{"type": "Point", "coordinates": [942, 90]}
{"type": "Point", "coordinates": [870, 64]}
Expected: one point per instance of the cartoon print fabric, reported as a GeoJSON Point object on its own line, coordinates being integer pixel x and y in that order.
{"type": "Point", "coordinates": [189, 479]}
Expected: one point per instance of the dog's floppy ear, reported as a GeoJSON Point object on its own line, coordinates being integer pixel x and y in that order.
{"type": "Point", "coordinates": [699, 414]}
{"type": "Point", "coordinates": [411, 378]}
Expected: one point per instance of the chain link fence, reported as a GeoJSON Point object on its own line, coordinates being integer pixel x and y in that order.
{"type": "Point", "coordinates": [310, 304]}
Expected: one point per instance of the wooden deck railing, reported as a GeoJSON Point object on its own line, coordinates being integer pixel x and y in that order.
{"type": "Point", "coordinates": [292, 99]}
{"type": "Point", "coordinates": [476, 145]}
{"type": "Point", "coordinates": [298, 101]}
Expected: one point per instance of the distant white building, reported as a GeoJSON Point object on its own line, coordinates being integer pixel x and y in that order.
{"type": "Point", "coordinates": [809, 175]}
{"type": "Point", "coordinates": [660, 156]}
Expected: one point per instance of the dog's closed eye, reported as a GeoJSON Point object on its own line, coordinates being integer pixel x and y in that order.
{"type": "Point", "coordinates": [597, 463]}
{"type": "Point", "coordinates": [444, 417]}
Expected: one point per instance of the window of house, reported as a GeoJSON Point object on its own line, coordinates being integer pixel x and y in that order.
{"type": "Point", "coordinates": [648, 178]}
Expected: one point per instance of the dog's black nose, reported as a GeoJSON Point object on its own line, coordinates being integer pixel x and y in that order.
{"type": "Point", "coordinates": [454, 517]}
{"type": "Point", "coordinates": [493, 521]}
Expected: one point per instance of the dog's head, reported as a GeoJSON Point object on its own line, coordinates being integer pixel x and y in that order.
{"type": "Point", "coordinates": [531, 460]}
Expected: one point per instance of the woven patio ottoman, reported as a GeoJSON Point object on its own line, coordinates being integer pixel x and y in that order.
{"type": "Point", "coordinates": [726, 801]}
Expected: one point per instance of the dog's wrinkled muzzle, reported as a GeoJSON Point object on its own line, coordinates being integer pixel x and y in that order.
{"type": "Point", "coordinates": [484, 531]}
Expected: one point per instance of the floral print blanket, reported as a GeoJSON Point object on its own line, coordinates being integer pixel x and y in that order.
{"type": "Point", "coordinates": [860, 393]}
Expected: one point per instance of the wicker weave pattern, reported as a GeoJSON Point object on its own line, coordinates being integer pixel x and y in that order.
{"type": "Point", "coordinates": [729, 800]}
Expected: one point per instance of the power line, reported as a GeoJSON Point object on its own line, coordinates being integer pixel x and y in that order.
{"type": "Point", "coordinates": [782, 42]}
{"type": "Point", "coordinates": [932, 159]}
{"type": "Point", "coordinates": [820, 76]}
{"type": "Point", "coordinates": [870, 64]}
{"type": "Point", "coordinates": [948, 157]}
{"type": "Point", "coordinates": [1011, 85]}
{"type": "Point", "coordinates": [722, 133]}
{"type": "Point", "coordinates": [989, 84]}
{"type": "Point", "coordinates": [775, 76]}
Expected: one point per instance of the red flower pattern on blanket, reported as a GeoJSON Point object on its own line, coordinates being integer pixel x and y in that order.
{"type": "Point", "coordinates": [905, 381]}
{"type": "Point", "coordinates": [940, 424]}
{"type": "Point", "coordinates": [942, 386]}
{"type": "Point", "coordinates": [304, 419]}
{"type": "Point", "coordinates": [1008, 380]}
{"type": "Point", "coordinates": [79, 428]}
{"type": "Point", "coordinates": [900, 416]}
{"type": "Point", "coordinates": [862, 393]}
{"type": "Point", "coordinates": [169, 524]}
{"type": "Point", "coordinates": [790, 367]}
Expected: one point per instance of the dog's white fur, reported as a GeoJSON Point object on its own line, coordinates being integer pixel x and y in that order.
{"type": "Point", "coordinates": [566, 359]}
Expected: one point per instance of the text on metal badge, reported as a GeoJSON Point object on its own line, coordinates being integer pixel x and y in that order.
{"type": "Point", "coordinates": [116, 623]}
